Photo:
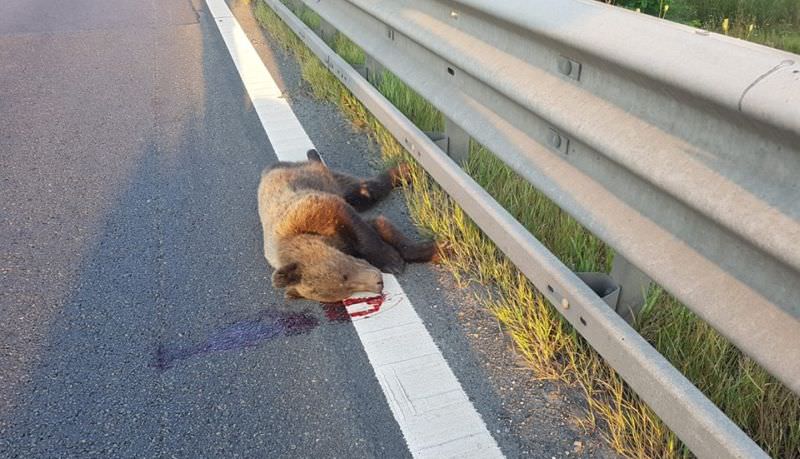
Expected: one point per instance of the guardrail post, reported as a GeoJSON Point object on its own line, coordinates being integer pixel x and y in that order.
{"type": "Point", "coordinates": [603, 285]}
{"type": "Point", "coordinates": [326, 31]}
{"type": "Point", "coordinates": [634, 285]}
{"type": "Point", "coordinates": [439, 139]}
{"type": "Point", "coordinates": [374, 69]}
{"type": "Point", "coordinates": [294, 5]}
{"type": "Point", "coordinates": [457, 141]}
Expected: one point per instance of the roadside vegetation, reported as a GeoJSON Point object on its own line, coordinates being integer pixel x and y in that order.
{"type": "Point", "coordinates": [774, 23]}
{"type": "Point", "coordinates": [764, 408]}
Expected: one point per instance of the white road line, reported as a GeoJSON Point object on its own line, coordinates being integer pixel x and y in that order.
{"type": "Point", "coordinates": [427, 401]}
{"type": "Point", "coordinates": [434, 413]}
{"type": "Point", "coordinates": [285, 133]}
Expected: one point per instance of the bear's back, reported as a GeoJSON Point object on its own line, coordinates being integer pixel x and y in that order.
{"type": "Point", "coordinates": [282, 185]}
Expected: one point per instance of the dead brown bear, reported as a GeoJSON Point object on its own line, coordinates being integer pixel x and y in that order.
{"type": "Point", "coordinates": [315, 239]}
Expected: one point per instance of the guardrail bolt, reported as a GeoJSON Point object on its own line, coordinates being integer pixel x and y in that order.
{"type": "Point", "coordinates": [555, 139]}
{"type": "Point", "coordinates": [565, 66]}
{"type": "Point", "coordinates": [569, 68]}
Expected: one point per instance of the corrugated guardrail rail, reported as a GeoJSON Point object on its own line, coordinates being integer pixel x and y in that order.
{"type": "Point", "coordinates": [681, 151]}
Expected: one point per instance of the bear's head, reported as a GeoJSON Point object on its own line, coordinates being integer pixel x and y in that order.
{"type": "Point", "coordinates": [327, 275]}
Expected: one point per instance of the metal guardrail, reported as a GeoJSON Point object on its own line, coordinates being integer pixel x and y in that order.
{"type": "Point", "coordinates": [679, 151]}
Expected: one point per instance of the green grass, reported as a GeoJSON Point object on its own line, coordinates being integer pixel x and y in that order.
{"type": "Point", "coordinates": [781, 38]}
{"type": "Point", "coordinates": [774, 23]}
{"type": "Point", "coordinates": [576, 247]}
{"type": "Point", "coordinates": [348, 50]}
{"type": "Point", "coordinates": [309, 17]}
{"type": "Point", "coordinates": [764, 408]}
{"type": "Point", "coordinates": [753, 399]}
{"type": "Point", "coordinates": [424, 115]}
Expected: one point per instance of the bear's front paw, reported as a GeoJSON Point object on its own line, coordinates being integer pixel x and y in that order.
{"type": "Point", "coordinates": [392, 262]}
{"type": "Point", "coordinates": [400, 174]}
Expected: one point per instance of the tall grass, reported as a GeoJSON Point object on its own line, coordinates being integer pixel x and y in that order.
{"type": "Point", "coordinates": [760, 12]}
{"type": "Point", "coordinates": [754, 400]}
{"type": "Point", "coordinates": [425, 115]}
{"type": "Point", "coordinates": [348, 50]}
{"type": "Point", "coordinates": [774, 23]}
{"type": "Point", "coordinates": [765, 409]}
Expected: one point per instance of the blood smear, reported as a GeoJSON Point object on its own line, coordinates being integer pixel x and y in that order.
{"type": "Point", "coordinates": [374, 303]}
{"type": "Point", "coordinates": [239, 335]}
{"type": "Point", "coordinates": [337, 312]}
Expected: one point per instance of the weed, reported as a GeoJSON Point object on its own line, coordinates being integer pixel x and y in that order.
{"type": "Point", "coordinates": [774, 23]}
{"type": "Point", "coordinates": [425, 115]}
{"type": "Point", "coordinates": [348, 50]}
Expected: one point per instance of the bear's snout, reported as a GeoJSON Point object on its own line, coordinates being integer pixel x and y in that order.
{"type": "Point", "coordinates": [368, 280]}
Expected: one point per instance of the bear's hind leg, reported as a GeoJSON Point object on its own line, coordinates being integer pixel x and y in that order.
{"type": "Point", "coordinates": [371, 246]}
{"type": "Point", "coordinates": [413, 252]}
{"type": "Point", "coordinates": [329, 216]}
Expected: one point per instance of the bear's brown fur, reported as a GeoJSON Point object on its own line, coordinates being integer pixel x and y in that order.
{"type": "Point", "coordinates": [315, 239]}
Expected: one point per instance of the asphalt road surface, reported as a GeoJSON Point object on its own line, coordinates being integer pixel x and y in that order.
{"type": "Point", "coordinates": [138, 319]}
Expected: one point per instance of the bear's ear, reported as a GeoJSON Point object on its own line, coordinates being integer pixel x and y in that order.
{"type": "Point", "coordinates": [292, 294]}
{"type": "Point", "coordinates": [286, 275]}
{"type": "Point", "coordinates": [313, 155]}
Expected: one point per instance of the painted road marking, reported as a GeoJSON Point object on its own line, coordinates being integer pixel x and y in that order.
{"type": "Point", "coordinates": [427, 401]}
{"type": "Point", "coordinates": [285, 133]}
